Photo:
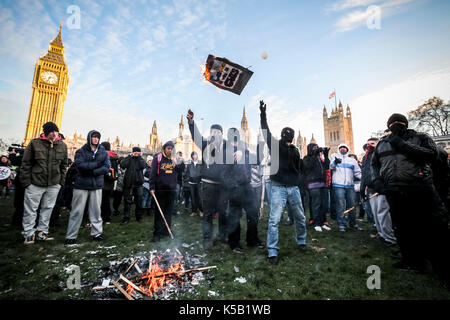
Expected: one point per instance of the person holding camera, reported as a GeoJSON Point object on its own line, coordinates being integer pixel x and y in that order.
{"type": "Point", "coordinates": [315, 164]}
{"type": "Point", "coordinates": [344, 169]}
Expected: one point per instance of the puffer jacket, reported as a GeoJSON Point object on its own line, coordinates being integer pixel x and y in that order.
{"type": "Point", "coordinates": [44, 162]}
{"type": "Point", "coordinates": [344, 173]}
{"type": "Point", "coordinates": [404, 160]}
{"type": "Point", "coordinates": [91, 166]}
{"type": "Point", "coordinates": [134, 176]}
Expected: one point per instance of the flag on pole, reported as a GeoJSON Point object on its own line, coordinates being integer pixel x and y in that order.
{"type": "Point", "coordinates": [332, 94]}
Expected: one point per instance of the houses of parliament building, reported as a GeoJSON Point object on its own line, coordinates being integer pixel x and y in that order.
{"type": "Point", "coordinates": [49, 90]}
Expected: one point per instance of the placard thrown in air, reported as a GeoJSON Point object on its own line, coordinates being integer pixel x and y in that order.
{"type": "Point", "coordinates": [226, 75]}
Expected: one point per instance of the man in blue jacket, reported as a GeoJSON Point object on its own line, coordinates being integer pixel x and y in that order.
{"type": "Point", "coordinates": [92, 162]}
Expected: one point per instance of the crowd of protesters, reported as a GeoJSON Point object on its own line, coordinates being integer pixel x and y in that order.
{"type": "Point", "coordinates": [401, 185]}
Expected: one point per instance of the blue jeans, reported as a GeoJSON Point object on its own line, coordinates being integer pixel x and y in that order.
{"type": "Point", "coordinates": [146, 198]}
{"type": "Point", "coordinates": [345, 199]}
{"type": "Point", "coordinates": [281, 195]}
{"type": "Point", "coordinates": [268, 190]}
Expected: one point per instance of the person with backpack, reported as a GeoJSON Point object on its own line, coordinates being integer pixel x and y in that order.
{"type": "Point", "coordinates": [132, 184]}
{"type": "Point", "coordinates": [163, 184]}
{"type": "Point", "coordinates": [108, 185]}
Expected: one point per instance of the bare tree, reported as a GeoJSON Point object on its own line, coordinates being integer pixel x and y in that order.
{"type": "Point", "coordinates": [432, 117]}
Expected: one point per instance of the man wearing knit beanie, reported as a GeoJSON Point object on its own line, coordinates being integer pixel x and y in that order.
{"type": "Point", "coordinates": [401, 165]}
{"type": "Point", "coordinates": [42, 174]}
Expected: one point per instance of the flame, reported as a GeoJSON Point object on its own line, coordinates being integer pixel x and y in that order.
{"type": "Point", "coordinates": [205, 72]}
{"type": "Point", "coordinates": [155, 278]}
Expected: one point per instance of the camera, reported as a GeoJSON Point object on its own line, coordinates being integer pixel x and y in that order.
{"type": "Point", "coordinates": [17, 148]}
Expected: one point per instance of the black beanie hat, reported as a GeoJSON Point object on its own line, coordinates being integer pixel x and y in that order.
{"type": "Point", "coordinates": [136, 149]}
{"type": "Point", "coordinates": [217, 126]}
{"type": "Point", "coordinates": [287, 134]}
{"type": "Point", "coordinates": [106, 145]}
{"type": "Point", "coordinates": [397, 117]}
{"type": "Point", "coordinates": [49, 127]}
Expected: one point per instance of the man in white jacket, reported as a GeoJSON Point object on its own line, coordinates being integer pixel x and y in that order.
{"type": "Point", "coordinates": [343, 170]}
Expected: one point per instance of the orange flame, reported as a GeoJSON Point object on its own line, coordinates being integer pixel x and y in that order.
{"type": "Point", "coordinates": [205, 72]}
{"type": "Point", "coordinates": [156, 278]}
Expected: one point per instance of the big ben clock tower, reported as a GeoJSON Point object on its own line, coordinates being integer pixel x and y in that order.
{"type": "Point", "coordinates": [50, 83]}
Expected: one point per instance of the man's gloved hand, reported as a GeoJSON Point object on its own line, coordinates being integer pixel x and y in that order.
{"type": "Point", "coordinates": [396, 141]}
{"type": "Point", "coordinates": [337, 160]}
{"type": "Point", "coordinates": [379, 186]}
{"type": "Point", "coordinates": [262, 107]}
{"type": "Point", "coordinates": [325, 152]}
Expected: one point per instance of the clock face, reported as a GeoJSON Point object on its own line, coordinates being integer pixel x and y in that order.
{"type": "Point", "coordinates": [49, 77]}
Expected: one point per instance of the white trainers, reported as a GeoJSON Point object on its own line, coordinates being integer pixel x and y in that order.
{"type": "Point", "coordinates": [41, 236]}
{"type": "Point", "coordinates": [317, 228]}
{"type": "Point", "coordinates": [29, 240]}
{"type": "Point", "coordinates": [325, 227]}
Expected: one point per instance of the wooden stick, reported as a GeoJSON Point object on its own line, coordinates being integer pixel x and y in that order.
{"type": "Point", "coordinates": [131, 266]}
{"type": "Point", "coordinates": [178, 251]}
{"type": "Point", "coordinates": [132, 284]}
{"type": "Point", "coordinates": [372, 196]}
{"type": "Point", "coordinates": [162, 214]}
{"type": "Point", "coordinates": [182, 272]}
{"type": "Point", "coordinates": [103, 288]}
{"type": "Point", "coordinates": [150, 262]}
{"type": "Point", "coordinates": [137, 268]}
{"type": "Point", "coordinates": [118, 286]}
{"type": "Point", "coordinates": [261, 207]}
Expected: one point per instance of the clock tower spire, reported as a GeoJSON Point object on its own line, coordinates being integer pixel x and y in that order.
{"type": "Point", "coordinates": [50, 83]}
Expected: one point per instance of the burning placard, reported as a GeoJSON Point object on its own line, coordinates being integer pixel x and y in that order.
{"type": "Point", "coordinates": [226, 75]}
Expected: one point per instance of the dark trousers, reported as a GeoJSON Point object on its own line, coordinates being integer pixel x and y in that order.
{"type": "Point", "coordinates": [68, 195]}
{"type": "Point", "coordinates": [332, 203]}
{"type": "Point", "coordinates": [319, 205]}
{"type": "Point", "coordinates": [56, 212]}
{"type": "Point", "coordinates": [166, 200]}
{"type": "Point", "coordinates": [243, 197]}
{"type": "Point", "coordinates": [117, 199]}
{"type": "Point", "coordinates": [187, 197]}
{"type": "Point", "coordinates": [421, 228]}
{"type": "Point", "coordinates": [128, 194]}
{"type": "Point", "coordinates": [106, 205]}
{"type": "Point", "coordinates": [196, 197]}
{"type": "Point", "coordinates": [214, 199]}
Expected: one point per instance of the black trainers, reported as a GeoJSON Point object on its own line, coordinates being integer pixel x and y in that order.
{"type": "Point", "coordinates": [69, 242]}
{"type": "Point", "coordinates": [273, 260]}
{"type": "Point", "coordinates": [260, 244]}
{"type": "Point", "coordinates": [98, 238]}
{"type": "Point", "coordinates": [116, 213]}
{"type": "Point", "coordinates": [125, 221]}
{"type": "Point", "coordinates": [238, 249]}
{"type": "Point", "coordinates": [302, 247]}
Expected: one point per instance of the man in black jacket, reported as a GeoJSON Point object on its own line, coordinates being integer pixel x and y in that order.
{"type": "Point", "coordinates": [132, 184]}
{"type": "Point", "coordinates": [108, 185]}
{"type": "Point", "coordinates": [285, 177]}
{"type": "Point", "coordinates": [162, 184]}
{"type": "Point", "coordinates": [401, 169]}
{"type": "Point", "coordinates": [193, 176]}
{"type": "Point", "coordinates": [315, 164]}
{"type": "Point", "coordinates": [213, 193]}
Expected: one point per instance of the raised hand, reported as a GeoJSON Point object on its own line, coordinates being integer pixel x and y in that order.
{"type": "Point", "coordinates": [262, 106]}
{"type": "Point", "coordinates": [190, 116]}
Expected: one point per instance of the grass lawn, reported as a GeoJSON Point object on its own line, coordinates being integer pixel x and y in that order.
{"type": "Point", "coordinates": [337, 272]}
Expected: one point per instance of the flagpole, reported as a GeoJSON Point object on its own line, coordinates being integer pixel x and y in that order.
{"type": "Point", "coordinates": [335, 104]}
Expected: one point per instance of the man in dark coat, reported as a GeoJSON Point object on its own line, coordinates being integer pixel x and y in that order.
{"type": "Point", "coordinates": [193, 177]}
{"type": "Point", "coordinates": [163, 183]}
{"type": "Point", "coordinates": [132, 184]}
{"type": "Point", "coordinates": [316, 164]}
{"type": "Point", "coordinates": [401, 169]}
{"type": "Point", "coordinates": [42, 174]}
{"type": "Point", "coordinates": [92, 163]}
{"type": "Point", "coordinates": [108, 184]}
{"type": "Point", "coordinates": [285, 177]}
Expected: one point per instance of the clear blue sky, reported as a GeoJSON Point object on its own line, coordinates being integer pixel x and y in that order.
{"type": "Point", "coordinates": [134, 62]}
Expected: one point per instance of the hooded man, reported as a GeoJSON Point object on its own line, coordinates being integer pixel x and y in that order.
{"type": "Point", "coordinates": [92, 162]}
{"type": "Point", "coordinates": [108, 185]}
{"type": "Point", "coordinates": [163, 184]}
{"type": "Point", "coordinates": [285, 181]}
{"type": "Point", "coordinates": [344, 170]}
{"type": "Point", "coordinates": [316, 164]}
{"type": "Point", "coordinates": [378, 204]}
{"type": "Point", "coordinates": [133, 180]}
{"type": "Point", "coordinates": [42, 174]}
{"type": "Point", "coordinates": [214, 195]}
{"type": "Point", "coordinates": [401, 169]}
